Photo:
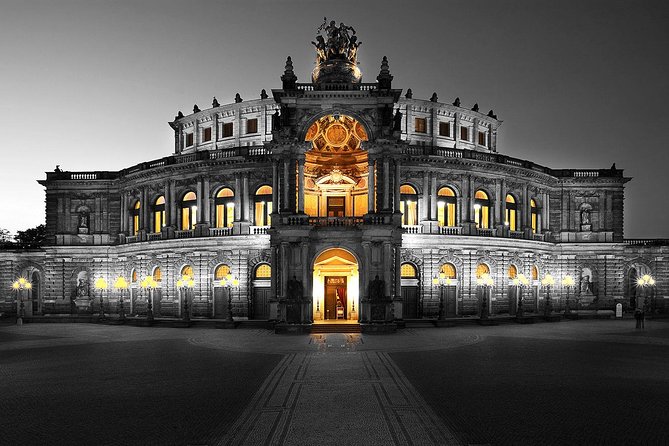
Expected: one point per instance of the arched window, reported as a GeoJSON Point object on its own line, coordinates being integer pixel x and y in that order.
{"type": "Point", "coordinates": [159, 214]}
{"type": "Point", "coordinates": [513, 272]}
{"type": "Point", "coordinates": [482, 269]}
{"type": "Point", "coordinates": [446, 206]}
{"type": "Point", "coordinates": [535, 272]}
{"type": "Point", "coordinates": [448, 270]}
{"type": "Point", "coordinates": [535, 216]}
{"type": "Point", "coordinates": [225, 208]}
{"type": "Point", "coordinates": [188, 211]}
{"type": "Point", "coordinates": [263, 206]}
{"type": "Point", "coordinates": [135, 218]}
{"type": "Point", "coordinates": [134, 277]}
{"type": "Point", "coordinates": [158, 274]}
{"type": "Point", "coordinates": [481, 209]}
{"type": "Point", "coordinates": [408, 271]}
{"type": "Point", "coordinates": [263, 271]}
{"type": "Point", "coordinates": [511, 215]}
{"type": "Point", "coordinates": [187, 271]}
{"type": "Point", "coordinates": [408, 205]}
{"type": "Point", "coordinates": [221, 272]}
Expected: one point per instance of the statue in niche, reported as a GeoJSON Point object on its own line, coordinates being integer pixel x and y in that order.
{"type": "Point", "coordinates": [82, 288]}
{"type": "Point", "coordinates": [397, 121]}
{"type": "Point", "coordinates": [276, 120]}
{"type": "Point", "coordinates": [376, 289]}
{"type": "Point", "coordinates": [83, 220]}
{"type": "Point", "coordinates": [295, 290]}
{"type": "Point", "coordinates": [585, 286]}
{"type": "Point", "coordinates": [585, 217]}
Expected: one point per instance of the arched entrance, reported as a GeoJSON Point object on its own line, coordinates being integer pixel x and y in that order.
{"type": "Point", "coordinates": [336, 286]}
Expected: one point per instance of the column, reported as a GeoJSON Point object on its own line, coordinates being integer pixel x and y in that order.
{"type": "Point", "coordinates": [456, 129]}
{"type": "Point", "coordinates": [526, 210]}
{"type": "Point", "coordinates": [199, 201]}
{"type": "Point", "coordinates": [500, 197]}
{"type": "Point", "coordinates": [275, 186]}
{"type": "Point", "coordinates": [124, 212]}
{"type": "Point", "coordinates": [238, 197]}
{"type": "Point", "coordinates": [386, 184]}
{"type": "Point", "coordinates": [168, 206]}
{"type": "Point", "coordinates": [300, 192]}
{"type": "Point", "coordinates": [433, 196]}
{"type": "Point", "coordinates": [144, 211]}
{"type": "Point", "coordinates": [206, 207]}
{"type": "Point", "coordinates": [370, 186]}
{"type": "Point", "coordinates": [425, 204]}
{"type": "Point", "coordinates": [172, 203]}
{"type": "Point", "coordinates": [396, 187]}
{"type": "Point", "coordinates": [245, 197]}
{"type": "Point", "coordinates": [286, 184]}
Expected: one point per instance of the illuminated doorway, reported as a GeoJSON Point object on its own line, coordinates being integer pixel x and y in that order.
{"type": "Point", "coordinates": [336, 287]}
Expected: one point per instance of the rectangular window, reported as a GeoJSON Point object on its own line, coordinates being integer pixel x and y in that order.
{"type": "Point", "coordinates": [464, 133]}
{"type": "Point", "coordinates": [227, 130]}
{"type": "Point", "coordinates": [421, 125]}
{"type": "Point", "coordinates": [482, 139]}
{"type": "Point", "coordinates": [252, 126]}
{"type": "Point", "coordinates": [444, 129]}
{"type": "Point", "coordinates": [206, 134]}
{"type": "Point", "coordinates": [189, 139]}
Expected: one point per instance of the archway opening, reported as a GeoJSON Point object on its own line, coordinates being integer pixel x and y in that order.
{"type": "Point", "coordinates": [336, 287]}
{"type": "Point", "coordinates": [336, 168]}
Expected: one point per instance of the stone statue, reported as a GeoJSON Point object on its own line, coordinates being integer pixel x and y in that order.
{"type": "Point", "coordinates": [276, 120]}
{"type": "Point", "coordinates": [585, 217]}
{"type": "Point", "coordinates": [295, 290]}
{"type": "Point", "coordinates": [83, 220]}
{"type": "Point", "coordinates": [57, 169]}
{"type": "Point", "coordinates": [376, 289]}
{"type": "Point", "coordinates": [339, 42]}
{"type": "Point", "coordinates": [321, 48]}
{"type": "Point", "coordinates": [585, 286]}
{"type": "Point", "coordinates": [397, 121]}
{"type": "Point", "coordinates": [82, 288]}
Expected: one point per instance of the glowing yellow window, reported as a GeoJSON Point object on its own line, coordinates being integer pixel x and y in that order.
{"type": "Point", "coordinates": [535, 273]}
{"type": "Point", "coordinates": [188, 211]}
{"type": "Point", "coordinates": [408, 271]}
{"type": "Point", "coordinates": [482, 269]}
{"type": "Point", "coordinates": [535, 215]}
{"type": "Point", "coordinates": [157, 274]}
{"type": "Point", "coordinates": [159, 214]}
{"type": "Point", "coordinates": [263, 206]}
{"type": "Point", "coordinates": [513, 271]}
{"type": "Point", "coordinates": [221, 272]}
{"type": "Point", "coordinates": [187, 271]}
{"type": "Point", "coordinates": [446, 206]}
{"type": "Point", "coordinates": [448, 271]}
{"type": "Point", "coordinates": [511, 215]}
{"type": "Point", "coordinates": [225, 208]}
{"type": "Point", "coordinates": [135, 218]}
{"type": "Point", "coordinates": [481, 210]}
{"type": "Point", "coordinates": [408, 205]}
{"type": "Point", "coordinates": [263, 271]}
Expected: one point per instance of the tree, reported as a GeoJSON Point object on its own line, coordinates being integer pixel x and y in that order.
{"type": "Point", "coordinates": [31, 238]}
{"type": "Point", "coordinates": [6, 239]}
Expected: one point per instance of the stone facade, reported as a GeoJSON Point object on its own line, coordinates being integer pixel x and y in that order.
{"type": "Point", "coordinates": [112, 223]}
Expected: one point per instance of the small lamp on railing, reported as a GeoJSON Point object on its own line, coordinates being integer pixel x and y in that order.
{"type": "Point", "coordinates": [567, 282]}
{"type": "Point", "coordinates": [121, 284]}
{"type": "Point", "coordinates": [229, 282]}
{"type": "Point", "coordinates": [101, 285]}
{"type": "Point", "coordinates": [149, 284]}
{"type": "Point", "coordinates": [548, 281]}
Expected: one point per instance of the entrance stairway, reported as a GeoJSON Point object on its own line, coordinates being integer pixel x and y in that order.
{"type": "Point", "coordinates": [335, 328]}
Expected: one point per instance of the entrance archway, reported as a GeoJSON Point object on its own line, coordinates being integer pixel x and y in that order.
{"type": "Point", "coordinates": [336, 286]}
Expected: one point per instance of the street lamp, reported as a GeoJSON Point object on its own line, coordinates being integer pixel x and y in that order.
{"type": "Point", "coordinates": [520, 282]}
{"type": "Point", "coordinates": [644, 282]}
{"type": "Point", "coordinates": [486, 283]}
{"type": "Point", "coordinates": [121, 284]}
{"type": "Point", "coordinates": [441, 281]}
{"type": "Point", "coordinates": [19, 285]}
{"type": "Point", "coordinates": [101, 285]}
{"type": "Point", "coordinates": [149, 285]}
{"type": "Point", "coordinates": [567, 282]}
{"type": "Point", "coordinates": [229, 282]}
{"type": "Point", "coordinates": [184, 284]}
{"type": "Point", "coordinates": [548, 281]}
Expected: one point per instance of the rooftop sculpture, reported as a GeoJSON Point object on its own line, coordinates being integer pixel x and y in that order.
{"type": "Point", "coordinates": [336, 54]}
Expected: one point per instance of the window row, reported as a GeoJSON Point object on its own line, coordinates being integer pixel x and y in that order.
{"type": "Point", "coordinates": [222, 272]}
{"type": "Point", "coordinates": [447, 209]}
{"type": "Point", "coordinates": [224, 210]}
{"type": "Point", "coordinates": [446, 129]}
{"type": "Point", "coordinates": [226, 131]}
{"type": "Point", "coordinates": [448, 273]}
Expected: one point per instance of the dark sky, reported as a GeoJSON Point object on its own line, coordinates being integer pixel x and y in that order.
{"type": "Point", "coordinates": [90, 85]}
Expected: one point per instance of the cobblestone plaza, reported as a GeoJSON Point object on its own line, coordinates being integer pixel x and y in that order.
{"type": "Point", "coordinates": [574, 382]}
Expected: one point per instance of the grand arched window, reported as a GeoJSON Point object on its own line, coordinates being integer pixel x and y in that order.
{"type": "Point", "coordinates": [408, 271]}
{"type": "Point", "coordinates": [157, 274]}
{"type": "Point", "coordinates": [513, 272]}
{"type": "Point", "coordinates": [263, 206]}
{"type": "Point", "coordinates": [448, 271]}
{"type": "Point", "coordinates": [263, 271]}
{"type": "Point", "coordinates": [511, 214]}
{"type": "Point", "coordinates": [221, 272]}
{"type": "Point", "coordinates": [482, 269]}
{"type": "Point", "coordinates": [446, 206]}
{"type": "Point", "coordinates": [225, 208]}
{"type": "Point", "coordinates": [187, 272]}
{"type": "Point", "coordinates": [135, 217]}
{"type": "Point", "coordinates": [409, 205]}
{"type": "Point", "coordinates": [534, 211]}
{"type": "Point", "coordinates": [535, 273]}
{"type": "Point", "coordinates": [188, 211]}
{"type": "Point", "coordinates": [481, 209]}
{"type": "Point", "coordinates": [159, 214]}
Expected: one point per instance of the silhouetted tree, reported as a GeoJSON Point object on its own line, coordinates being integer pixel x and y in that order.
{"type": "Point", "coordinates": [31, 238]}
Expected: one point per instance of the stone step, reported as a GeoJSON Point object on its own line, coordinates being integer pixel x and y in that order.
{"type": "Point", "coordinates": [335, 328]}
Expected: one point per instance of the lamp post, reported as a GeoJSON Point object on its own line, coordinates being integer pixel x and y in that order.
{"type": "Point", "coordinates": [149, 284]}
{"type": "Point", "coordinates": [229, 282]}
{"type": "Point", "coordinates": [19, 285]}
{"type": "Point", "coordinates": [101, 285]}
{"type": "Point", "coordinates": [645, 282]}
{"type": "Point", "coordinates": [121, 284]}
{"type": "Point", "coordinates": [486, 283]}
{"type": "Point", "coordinates": [521, 282]}
{"type": "Point", "coordinates": [548, 281]}
{"type": "Point", "coordinates": [567, 282]}
{"type": "Point", "coordinates": [441, 281]}
{"type": "Point", "coordinates": [185, 284]}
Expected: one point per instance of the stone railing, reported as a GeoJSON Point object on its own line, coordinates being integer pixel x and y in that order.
{"type": "Point", "coordinates": [450, 230]}
{"type": "Point", "coordinates": [184, 234]}
{"type": "Point", "coordinates": [256, 230]}
{"type": "Point", "coordinates": [131, 239]}
{"type": "Point", "coordinates": [412, 229]}
{"type": "Point", "coordinates": [539, 237]}
{"type": "Point", "coordinates": [646, 241]}
{"type": "Point", "coordinates": [487, 232]}
{"type": "Point", "coordinates": [336, 86]}
{"type": "Point", "coordinates": [154, 236]}
{"type": "Point", "coordinates": [516, 234]}
{"type": "Point", "coordinates": [218, 232]}
{"type": "Point", "coordinates": [335, 221]}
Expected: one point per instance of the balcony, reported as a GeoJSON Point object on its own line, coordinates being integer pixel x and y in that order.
{"type": "Point", "coordinates": [450, 230]}
{"type": "Point", "coordinates": [412, 229]}
{"type": "Point", "coordinates": [184, 234]}
{"type": "Point", "coordinates": [218, 232]}
{"type": "Point", "coordinates": [258, 230]}
{"type": "Point", "coordinates": [335, 221]}
{"type": "Point", "coordinates": [487, 232]}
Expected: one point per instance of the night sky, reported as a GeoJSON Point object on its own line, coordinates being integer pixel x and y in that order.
{"type": "Point", "coordinates": [91, 85]}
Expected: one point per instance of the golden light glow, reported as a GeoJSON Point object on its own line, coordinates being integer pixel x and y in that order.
{"type": "Point", "coordinates": [221, 271]}
{"type": "Point", "coordinates": [120, 283]}
{"type": "Point", "coordinates": [235, 282]}
{"type": "Point", "coordinates": [448, 270]}
{"type": "Point", "coordinates": [263, 271]}
{"type": "Point", "coordinates": [548, 280]}
{"type": "Point", "coordinates": [22, 280]}
{"type": "Point", "coordinates": [28, 285]}
{"type": "Point", "coordinates": [187, 272]}
{"type": "Point", "coordinates": [180, 283]}
{"type": "Point", "coordinates": [222, 282]}
{"type": "Point", "coordinates": [100, 283]}
{"type": "Point", "coordinates": [225, 192]}
{"type": "Point", "coordinates": [333, 135]}
{"type": "Point", "coordinates": [482, 269]}
{"type": "Point", "coordinates": [190, 283]}
{"type": "Point", "coordinates": [568, 280]}
{"type": "Point", "coordinates": [407, 271]}
{"type": "Point", "coordinates": [523, 280]}
{"type": "Point", "coordinates": [16, 285]}
{"type": "Point", "coordinates": [513, 271]}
